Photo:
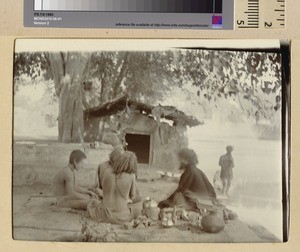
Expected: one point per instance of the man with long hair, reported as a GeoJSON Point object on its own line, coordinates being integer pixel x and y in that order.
{"type": "Point", "coordinates": [104, 168]}
{"type": "Point", "coordinates": [119, 187]}
{"type": "Point", "coordinates": [69, 194]}
{"type": "Point", "coordinates": [193, 184]}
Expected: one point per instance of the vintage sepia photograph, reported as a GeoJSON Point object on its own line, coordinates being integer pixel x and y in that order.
{"type": "Point", "coordinates": [148, 141]}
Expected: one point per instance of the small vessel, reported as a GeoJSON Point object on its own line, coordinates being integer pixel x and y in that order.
{"type": "Point", "coordinates": [150, 209]}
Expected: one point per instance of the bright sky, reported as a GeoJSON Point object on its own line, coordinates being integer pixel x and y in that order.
{"type": "Point", "coordinates": [28, 90]}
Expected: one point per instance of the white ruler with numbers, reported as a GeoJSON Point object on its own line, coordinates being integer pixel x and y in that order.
{"type": "Point", "coordinates": [262, 14]}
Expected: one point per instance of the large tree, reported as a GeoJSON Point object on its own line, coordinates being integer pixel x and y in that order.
{"type": "Point", "coordinates": [68, 73]}
{"type": "Point", "coordinates": [252, 79]}
{"type": "Point", "coordinates": [87, 80]}
{"type": "Point", "coordinates": [145, 76]}
{"type": "Point", "coordinates": [140, 75]}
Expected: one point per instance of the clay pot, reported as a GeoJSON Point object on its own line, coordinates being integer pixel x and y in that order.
{"type": "Point", "coordinates": [167, 223]}
{"type": "Point", "coordinates": [150, 209]}
{"type": "Point", "coordinates": [232, 216]}
{"type": "Point", "coordinates": [149, 203]}
{"type": "Point", "coordinates": [151, 213]}
{"type": "Point", "coordinates": [212, 223]}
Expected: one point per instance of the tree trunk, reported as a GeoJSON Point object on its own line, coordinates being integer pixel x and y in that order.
{"type": "Point", "coordinates": [68, 70]}
{"type": "Point", "coordinates": [91, 129]}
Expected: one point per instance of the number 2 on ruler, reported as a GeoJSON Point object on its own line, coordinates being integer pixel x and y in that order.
{"type": "Point", "coordinates": [274, 14]}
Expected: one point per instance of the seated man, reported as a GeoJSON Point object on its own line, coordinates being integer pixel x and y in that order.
{"type": "Point", "coordinates": [68, 193]}
{"type": "Point", "coordinates": [119, 186]}
{"type": "Point", "coordinates": [193, 184]}
{"type": "Point", "coordinates": [104, 168]}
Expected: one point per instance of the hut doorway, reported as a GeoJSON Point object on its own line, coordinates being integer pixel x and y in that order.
{"type": "Point", "coordinates": [140, 145]}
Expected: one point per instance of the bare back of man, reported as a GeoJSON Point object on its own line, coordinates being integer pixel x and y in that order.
{"type": "Point", "coordinates": [65, 189]}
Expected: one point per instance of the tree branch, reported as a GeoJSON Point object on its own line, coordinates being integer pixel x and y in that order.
{"type": "Point", "coordinates": [121, 75]}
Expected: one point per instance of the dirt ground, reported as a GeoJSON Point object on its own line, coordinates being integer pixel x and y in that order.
{"type": "Point", "coordinates": [36, 218]}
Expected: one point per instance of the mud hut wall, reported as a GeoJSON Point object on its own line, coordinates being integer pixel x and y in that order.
{"type": "Point", "coordinates": [91, 128]}
{"type": "Point", "coordinates": [165, 140]}
{"type": "Point", "coordinates": [168, 140]}
{"type": "Point", "coordinates": [141, 124]}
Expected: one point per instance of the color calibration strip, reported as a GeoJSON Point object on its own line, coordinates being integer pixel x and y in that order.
{"type": "Point", "coordinates": [130, 14]}
{"type": "Point", "coordinates": [159, 6]}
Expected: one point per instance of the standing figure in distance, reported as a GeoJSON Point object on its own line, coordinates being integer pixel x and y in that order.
{"type": "Point", "coordinates": [227, 164]}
